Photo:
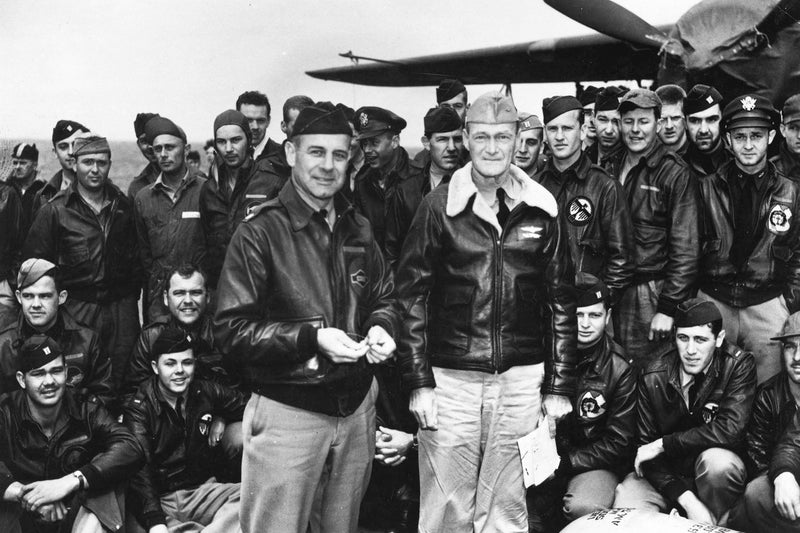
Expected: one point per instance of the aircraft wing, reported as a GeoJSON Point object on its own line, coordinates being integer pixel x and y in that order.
{"type": "Point", "coordinates": [568, 59]}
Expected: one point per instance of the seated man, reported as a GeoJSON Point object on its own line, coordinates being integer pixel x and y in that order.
{"type": "Point", "coordinates": [774, 407]}
{"type": "Point", "coordinates": [61, 459]}
{"type": "Point", "coordinates": [695, 400]}
{"type": "Point", "coordinates": [88, 369]}
{"type": "Point", "coordinates": [171, 414]}
{"type": "Point", "coordinates": [596, 440]}
{"type": "Point", "coordinates": [187, 298]}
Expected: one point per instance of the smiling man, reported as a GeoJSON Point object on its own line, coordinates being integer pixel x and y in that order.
{"type": "Point", "coordinates": [167, 213]}
{"type": "Point", "coordinates": [707, 151]}
{"type": "Point", "coordinates": [694, 403]}
{"type": "Point", "coordinates": [593, 204]}
{"type": "Point", "coordinates": [89, 233]}
{"type": "Point", "coordinates": [235, 185]}
{"type": "Point", "coordinates": [303, 279]}
{"type": "Point", "coordinates": [750, 265]}
{"type": "Point", "coordinates": [772, 499]}
{"type": "Point", "coordinates": [483, 276]}
{"type": "Point", "coordinates": [664, 202]}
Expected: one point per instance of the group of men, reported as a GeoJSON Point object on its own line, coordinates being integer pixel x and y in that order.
{"type": "Point", "coordinates": [317, 311]}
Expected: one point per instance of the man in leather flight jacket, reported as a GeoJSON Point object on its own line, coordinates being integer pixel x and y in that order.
{"type": "Point", "coordinates": [63, 460]}
{"type": "Point", "coordinates": [787, 160]}
{"type": "Point", "coordinates": [664, 202]}
{"type": "Point", "coordinates": [303, 280]}
{"type": "Point", "coordinates": [593, 204]}
{"type": "Point", "coordinates": [484, 278]}
{"type": "Point", "coordinates": [770, 428]}
{"type": "Point", "coordinates": [750, 266]}
{"type": "Point", "coordinates": [694, 403]}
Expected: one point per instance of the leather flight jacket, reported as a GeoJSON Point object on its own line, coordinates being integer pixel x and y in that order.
{"type": "Point", "coordinates": [664, 204]}
{"type": "Point", "coordinates": [786, 457]}
{"type": "Point", "coordinates": [787, 163]}
{"type": "Point", "coordinates": [705, 164]}
{"type": "Point", "coordinates": [477, 299]}
{"type": "Point", "coordinates": [600, 432]}
{"type": "Point", "coordinates": [286, 275]}
{"type": "Point", "coordinates": [773, 410]}
{"type": "Point", "coordinates": [11, 235]}
{"type": "Point", "coordinates": [176, 445]}
{"type": "Point", "coordinates": [598, 221]}
{"type": "Point", "coordinates": [773, 267]}
{"type": "Point", "coordinates": [718, 417]}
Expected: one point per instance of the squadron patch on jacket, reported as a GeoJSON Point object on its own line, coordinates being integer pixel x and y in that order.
{"type": "Point", "coordinates": [204, 424]}
{"type": "Point", "coordinates": [592, 404]}
{"type": "Point", "coordinates": [710, 412]}
{"type": "Point", "coordinates": [780, 218]}
{"type": "Point", "coordinates": [359, 277]}
{"type": "Point", "coordinates": [580, 211]}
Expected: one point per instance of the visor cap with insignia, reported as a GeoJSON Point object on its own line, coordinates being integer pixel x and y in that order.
{"type": "Point", "coordinates": [791, 109]}
{"type": "Point", "coordinates": [701, 97]}
{"type": "Point", "coordinates": [750, 111]}
{"type": "Point", "coordinates": [372, 121]}
{"type": "Point", "coordinates": [492, 108]}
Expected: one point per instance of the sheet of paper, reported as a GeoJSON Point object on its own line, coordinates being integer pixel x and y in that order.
{"type": "Point", "coordinates": [538, 453]}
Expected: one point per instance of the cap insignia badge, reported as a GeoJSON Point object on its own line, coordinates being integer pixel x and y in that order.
{"type": "Point", "coordinates": [363, 119]}
{"type": "Point", "coordinates": [748, 103]}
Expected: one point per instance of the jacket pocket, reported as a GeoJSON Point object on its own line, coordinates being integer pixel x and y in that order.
{"type": "Point", "coordinates": [528, 320]}
{"type": "Point", "coordinates": [593, 256]}
{"type": "Point", "coordinates": [780, 266]}
{"type": "Point", "coordinates": [450, 321]}
{"type": "Point", "coordinates": [651, 245]}
{"type": "Point", "coordinates": [75, 256]}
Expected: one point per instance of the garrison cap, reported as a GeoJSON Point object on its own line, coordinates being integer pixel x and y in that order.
{"type": "Point", "coordinates": [171, 340]}
{"type": "Point", "coordinates": [441, 119]}
{"type": "Point", "coordinates": [159, 125]}
{"type": "Point", "coordinates": [589, 290]}
{"type": "Point", "coordinates": [492, 108]}
{"type": "Point", "coordinates": [231, 117]}
{"type": "Point", "coordinates": [90, 144]}
{"type": "Point", "coordinates": [696, 312]}
{"type": "Point", "coordinates": [66, 128]}
{"type": "Point", "coordinates": [449, 89]}
{"type": "Point", "coordinates": [641, 98]}
{"type": "Point", "coordinates": [608, 98]}
{"type": "Point", "coordinates": [26, 151]}
{"type": "Point", "coordinates": [37, 351]}
{"type": "Point", "coordinates": [32, 270]}
{"type": "Point", "coordinates": [555, 106]}
{"type": "Point", "coordinates": [791, 328]}
{"type": "Point", "coordinates": [349, 112]}
{"type": "Point", "coordinates": [589, 95]}
{"type": "Point", "coordinates": [140, 121]}
{"type": "Point", "coordinates": [372, 121]}
{"type": "Point", "coordinates": [701, 97]}
{"type": "Point", "coordinates": [321, 119]}
{"type": "Point", "coordinates": [529, 121]}
{"type": "Point", "coordinates": [791, 109]}
{"type": "Point", "coordinates": [749, 110]}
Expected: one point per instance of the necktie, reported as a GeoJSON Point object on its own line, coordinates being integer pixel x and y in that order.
{"type": "Point", "coordinates": [502, 210]}
{"type": "Point", "coordinates": [695, 387]}
{"type": "Point", "coordinates": [179, 409]}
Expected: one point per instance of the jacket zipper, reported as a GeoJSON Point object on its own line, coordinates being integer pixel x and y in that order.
{"type": "Point", "coordinates": [498, 296]}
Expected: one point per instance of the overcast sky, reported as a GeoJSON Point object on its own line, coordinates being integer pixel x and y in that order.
{"type": "Point", "coordinates": [100, 62]}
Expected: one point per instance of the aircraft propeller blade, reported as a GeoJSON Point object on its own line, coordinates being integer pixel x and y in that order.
{"type": "Point", "coordinates": [613, 20]}
{"type": "Point", "coordinates": [785, 13]}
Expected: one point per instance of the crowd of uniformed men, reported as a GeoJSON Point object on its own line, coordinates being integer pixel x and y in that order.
{"type": "Point", "coordinates": [334, 331]}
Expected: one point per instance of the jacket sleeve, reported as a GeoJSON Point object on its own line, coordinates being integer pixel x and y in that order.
{"type": "Point", "coordinates": [145, 252]}
{"type": "Point", "coordinates": [727, 429]}
{"type": "Point", "coordinates": [786, 457]}
{"type": "Point", "coordinates": [228, 403]}
{"type": "Point", "coordinates": [618, 230]}
{"type": "Point", "coordinates": [792, 292]}
{"type": "Point", "coordinates": [416, 276]}
{"type": "Point", "coordinates": [614, 446]}
{"type": "Point", "coordinates": [683, 241]}
{"type": "Point", "coordinates": [241, 330]}
{"type": "Point", "coordinates": [561, 328]}
{"type": "Point", "coordinates": [758, 442]}
{"type": "Point", "coordinates": [145, 500]}
{"type": "Point", "coordinates": [393, 238]}
{"type": "Point", "coordinates": [658, 471]}
{"type": "Point", "coordinates": [382, 304]}
{"type": "Point", "coordinates": [99, 382]}
{"type": "Point", "coordinates": [139, 368]}
{"type": "Point", "coordinates": [11, 222]}
{"type": "Point", "coordinates": [42, 237]}
{"type": "Point", "coordinates": [121, 454]}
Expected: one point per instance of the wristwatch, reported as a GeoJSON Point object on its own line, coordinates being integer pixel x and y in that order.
{"type": "Point", "coordinates": [81, 479]}
{"type": "Point", "coordinates": [414, 442]}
